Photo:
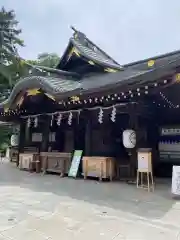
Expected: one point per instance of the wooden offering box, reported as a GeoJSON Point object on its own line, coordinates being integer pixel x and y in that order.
{"type": "Point", "coordinates": [55, 162]}
{"type": "Point", "coordinates": [101, 167]}
{"type": "Point", "coordinates": [27, 161]}
{"type": "Point", "coordinates": [13, 155]}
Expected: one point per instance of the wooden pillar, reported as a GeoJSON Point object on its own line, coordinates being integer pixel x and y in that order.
{"type": "Point", "coordinates": [21, 138]}
{"type": "Point", "coordinates": [45, 133]}
{"type": "Point", "coordinates": [133, 122]}
{"type": "Point", "coordinates": [88, 137]}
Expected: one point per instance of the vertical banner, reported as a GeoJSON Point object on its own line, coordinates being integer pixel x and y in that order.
{"type": "Point", "coordinates": [76, 159]}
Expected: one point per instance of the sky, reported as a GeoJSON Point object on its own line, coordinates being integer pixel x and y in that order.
{"type": "Point", "coordinates": [128, 30]}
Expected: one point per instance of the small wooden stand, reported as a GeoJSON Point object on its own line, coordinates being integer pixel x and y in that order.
{"type": "Point", "coordinates": [100, 167]}
{"type": "Point", "coordinates": [145, 169]}
{"type": "Point", "coordinates": [57, 162]}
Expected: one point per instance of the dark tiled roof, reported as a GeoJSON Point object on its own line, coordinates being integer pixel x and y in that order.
{"type": "Point", "coordinates": [159, 61]}
{"type": "Point", "coordinates": [128, 77]}
{"type": "Point", "coordinates": [94, 55]}
{"type": "Point", "coordinates": [52, 85]}
{"type": "Point", "coordinates": [89, 51]}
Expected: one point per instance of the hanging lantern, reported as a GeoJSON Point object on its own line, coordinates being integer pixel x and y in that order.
{"type": "Point", "coordinates": [113, 114]}
{"type": "Point", "coordinates": [70, 118]}
{"type": "Point", "coordinates": [28, 122]}
{"type": "Point", "coordinates": [14, 140]}
{"type": "Point", "coordinates": [59, 119]}
{"type": "Point", "coordinates": [100, 117]}
{"type": "Point", "coordinates": [36, 122]}
{"type": "Point", "coordinates": [129, 138]}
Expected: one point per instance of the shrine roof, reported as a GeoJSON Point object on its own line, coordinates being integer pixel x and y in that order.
{"type": "Point", "coordinates": [84, 48]}
{"type": "Point", "coordinates": [156, 61]}
{"type": "Point", "coordinates": [61, 84]}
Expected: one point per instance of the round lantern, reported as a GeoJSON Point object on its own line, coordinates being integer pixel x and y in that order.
{"type": "Point", "coordinates": [14, 140]}
{"type": "Point", "coordinates": [129, 138]}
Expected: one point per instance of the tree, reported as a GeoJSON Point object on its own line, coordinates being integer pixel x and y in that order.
{"type": "Point", "coordinates": [9, 42]}
{"type": "Point", "coordinates": [48, 60]}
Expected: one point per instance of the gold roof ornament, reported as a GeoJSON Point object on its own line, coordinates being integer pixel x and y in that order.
{"type": "Point", "coordinates": [20, 101]}
{"type": "Point", "coordinates": [6, 109]}
{"type": "Point", "coordinates": [151, 63]}
{"type": "Point", "coordinates": [91, 62]}
{"type": "Point", "coordinates": [76, 52]}
{"type": "Point", "coordinates": [73, 51]}
{"type": "Point", "coordinates": [33, 92]}
{"type": "Point", "coordinates": [177, 77]}
{"type": "Point", "coordinates": [75, 98]}
{"type": "Point", "coordinates": [110, 70]}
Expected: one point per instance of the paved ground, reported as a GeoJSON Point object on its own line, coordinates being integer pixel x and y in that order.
{"type": "Point", "coordinates": [36, 207]}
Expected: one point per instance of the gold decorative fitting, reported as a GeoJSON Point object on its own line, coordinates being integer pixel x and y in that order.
{"type": "Point", "coordinates": [91, 62]}
{"type": "Point", "coordinates": [20, 101]}
{"type": "Point", "coordinates": [110, 70]}
{"type": "Point", "coordinates": [33, 92]}
{"type": "Point", "coordinates": [76, 52]}
{"type": "Point", "coordinates": [73, 51]}
{"type": "Point", "coordinates": [6, 110]}
{"type": "Point", "coordinates": [177, 77]}
{"type": "Point", "coordinates": [75, 98]}
{"type": "Point", "coordinates": [151, 63]}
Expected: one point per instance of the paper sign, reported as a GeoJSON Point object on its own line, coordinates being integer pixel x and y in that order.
{"type": "Point", "coordinates": [73, 171]}
{"type": "Point", "coordinates": [143, 161]}
{"type": "Point", "coordinates": [176, 180]}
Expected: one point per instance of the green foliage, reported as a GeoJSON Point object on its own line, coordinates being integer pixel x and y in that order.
{"type": "Point", "coordinates": [5, 135]}
{"type": "Point", "coordinates": [48, 60]}
{"type": "Point", "coordinates": [9, 42]}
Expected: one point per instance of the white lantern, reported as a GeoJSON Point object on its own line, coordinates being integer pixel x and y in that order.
{"type": "Point", "coordinates": [129, 138]}
{"type": "Point", "coordinates": [14, 140]}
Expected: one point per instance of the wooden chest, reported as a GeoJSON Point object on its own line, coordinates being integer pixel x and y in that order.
{"type": "Point", "coordinates": [27, 161]}
{"type": "Point", "coordinates": [58, 162]}
{"type": "Point", "coordinates": [101, 167]}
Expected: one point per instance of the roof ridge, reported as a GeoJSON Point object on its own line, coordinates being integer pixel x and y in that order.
{"type": "Point", "coordinates": [152, 58]}
{"type": "Point", "coordinates": [75, 35]}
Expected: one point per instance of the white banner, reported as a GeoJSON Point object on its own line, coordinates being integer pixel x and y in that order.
{"type": "Point", "coordinates": [176, 180]}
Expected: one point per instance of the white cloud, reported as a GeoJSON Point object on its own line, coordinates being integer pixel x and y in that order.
{"type": "Point", "coordinates": [127, 29]}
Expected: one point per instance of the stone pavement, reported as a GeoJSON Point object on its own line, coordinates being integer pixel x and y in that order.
{"type": "Point", "coordinates": [36, 207]}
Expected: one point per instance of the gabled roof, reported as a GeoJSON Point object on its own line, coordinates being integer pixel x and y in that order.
{"type": "Point", "coordinates": [83, 47]}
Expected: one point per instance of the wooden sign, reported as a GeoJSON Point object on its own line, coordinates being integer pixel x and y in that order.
{"type": "Point", "coordinates": [145, 168]}
{"type": "Point", "coordinates": [76, 159]}
{"type": "Point", "coordinates": [144, 160]}
{"type": "Point", "coordinates": [175, 189]}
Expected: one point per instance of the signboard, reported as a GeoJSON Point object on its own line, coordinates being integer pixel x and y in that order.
{"type": "Point", "coordinates": [73, 171]}
{"type": "Point", "coordinates": [176, 180]}
{"type": "Point", "coordinates": [143, 162]}
{"type": "Point", "coordinates": [36, 137]}
{"type": "Point", "coordinates": [170, 131]}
